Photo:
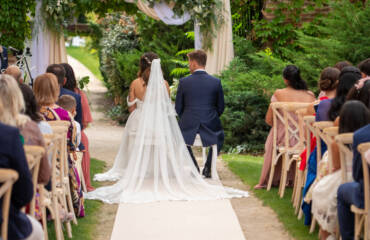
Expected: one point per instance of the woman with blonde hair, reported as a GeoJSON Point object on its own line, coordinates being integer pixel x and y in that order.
{"type": "Point", "coordinates": [13, 106]}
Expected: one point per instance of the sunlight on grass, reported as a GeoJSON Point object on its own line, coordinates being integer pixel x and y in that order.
{"type": "Point", "coordinates": [86, 225]}
{"type": "Point", "coordinates": [90, 60]}
{"type": "Point", "coordinates": [248, 168]}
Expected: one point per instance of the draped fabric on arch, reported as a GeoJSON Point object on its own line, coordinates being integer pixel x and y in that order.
{"type": "Point", "coordinates": [47, 47]}
{"type": "Point", "coordinates": [222, 44]}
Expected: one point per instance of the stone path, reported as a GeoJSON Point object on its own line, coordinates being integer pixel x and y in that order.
{"type": "Point", "coordinates": [257, 221]}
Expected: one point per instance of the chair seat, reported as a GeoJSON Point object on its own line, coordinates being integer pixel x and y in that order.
{"type": "Point", "coordinates": [357, 210]}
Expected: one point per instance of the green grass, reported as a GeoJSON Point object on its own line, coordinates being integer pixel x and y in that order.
{"type": "Point", "coordinates": [87, 58]}
{"type": "Point", "coordinates": [86, 225]}
{"type": "Point", "coordinates": [248, 168]}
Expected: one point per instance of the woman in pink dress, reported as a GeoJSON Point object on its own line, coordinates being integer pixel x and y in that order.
{"type": "Point", "coordinates": [71, 84]}
{"type": "Point", "coordinates": [296, 91]}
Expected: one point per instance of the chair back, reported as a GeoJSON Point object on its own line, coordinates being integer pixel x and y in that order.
{"type": "Point", "coordinates": [364, 149]}
{"type": "Point", "coordinates": [285, 113]}
{"type": "Point", "coordinates": [308, 124]}
{"type": "Point", "coordinates": [7, 177]}
{"type": "Point", "coordinates": [319, 128]}
{"type": "Point", "coordinates": [34, 155]}
{"type": "Point", "coordinates": [344, 142]}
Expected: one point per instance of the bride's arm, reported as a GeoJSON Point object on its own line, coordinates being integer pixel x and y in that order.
{"type": "Point", "coordinates": [131, 97]}
{"type": "Point", "coordinates": [168, 88]}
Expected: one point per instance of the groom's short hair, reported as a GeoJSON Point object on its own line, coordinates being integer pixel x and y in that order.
{"type": "Point", "coordinates": [199, 56]}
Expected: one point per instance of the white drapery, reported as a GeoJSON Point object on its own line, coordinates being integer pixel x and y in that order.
{"type": "Point", "coordinates": [47, 47]}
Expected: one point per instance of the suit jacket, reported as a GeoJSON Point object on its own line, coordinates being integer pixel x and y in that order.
{"type": "Point", "coordinates": [77, 96]}
{"type": "Point", "coordinates": [199, 104]}
{"type": "Point", "coordinates": [4, 59]}
{"type": "Point", "coordinates": [360, 136]}
{"type": "Point", "coordinates": [12, 156]}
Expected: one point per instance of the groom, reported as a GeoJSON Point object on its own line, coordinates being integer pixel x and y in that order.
{"type": "Point", "coordinates": [199, 104]}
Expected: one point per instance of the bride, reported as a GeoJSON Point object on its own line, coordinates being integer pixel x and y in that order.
{"type": "Point", "coordinates": [153, 163]}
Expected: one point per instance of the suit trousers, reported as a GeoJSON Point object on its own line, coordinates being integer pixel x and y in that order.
{"type": "Point", "coordinates": [348, 194]}
{"type": "Point", "coordinates": [208, 164]}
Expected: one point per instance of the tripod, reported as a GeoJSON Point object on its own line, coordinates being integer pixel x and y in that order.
{"type": "Point", "coordinates": [22, 62]}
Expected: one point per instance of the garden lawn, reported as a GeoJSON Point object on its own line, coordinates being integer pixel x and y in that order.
{"type": "Point", "coordinates": [87, 58]}
{"type": "Point", "coordinates": [86, 225]}
{"type": "Point", "coordinates": [248, 168]}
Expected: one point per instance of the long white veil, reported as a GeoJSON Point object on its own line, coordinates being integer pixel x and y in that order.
{"type": "Point", "coordinates": [153, 163]}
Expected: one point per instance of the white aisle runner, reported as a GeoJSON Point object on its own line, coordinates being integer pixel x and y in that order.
{"type": "Point", "coordinates": [177, 220]}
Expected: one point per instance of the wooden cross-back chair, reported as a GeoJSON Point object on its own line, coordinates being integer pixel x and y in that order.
{"type": "Point", "coordinates": [51, 199]}
{"type": "Point", "coordinates": [362, 214]}
{"type": "Point", "coordinates": [7, 178]}
{"type": "Point", "coordinates": [345, 142]}
{"type": "Point", "coordinates": [61, 131]}
{"type": "Point", "coordinates": [308, 126]}
{"type": "Point", "coordinates": [286, 113]}
{"type": "Point", "coordinates": [325, 131]}
{"type": "Point", "coordinates": [299, 174]}
{"type": "Point", "coordinates": [34, 154]}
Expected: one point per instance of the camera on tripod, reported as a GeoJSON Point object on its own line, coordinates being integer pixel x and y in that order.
{"type": "Point", "coordinates": [19, 53]}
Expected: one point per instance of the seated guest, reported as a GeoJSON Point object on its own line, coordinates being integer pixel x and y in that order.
{"type": "Point", "coordinates": [20, 225]}
{"type": "Point", "coordinates": [15, 72]}
{"type": "Point", "coordinates": [364, 67]}
{"type": "Point", "coordinates": [69, 104]}
{"type": "Point", "coordinates": [352, 192]}
{"type": "Point", "coordinates": [342, 64]}
{"type": "Point", "coordinates": [46, 90]}
{"type": "Point", "coordinates": [361, 92]}
{"type": "Point", "coordinates": [328, 110]}
{"type": "Point", "coordinates": [296, 91]}
{"type": "Point", "coordinates": [354, 115]}
{"type": "Point", "coordinates": [71, 84]}
{"type": "Point", "coordinates": [60, 73]}
{"type": "Point", "coordinates": [328, 85]}
{"type": "Point", "coordinates": [32, 109]}
{"type": "Point", "coordinates": [13, 104]}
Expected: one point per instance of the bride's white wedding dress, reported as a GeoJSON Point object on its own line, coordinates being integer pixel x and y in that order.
{"type": "Point", "coordinates": [153, 163]}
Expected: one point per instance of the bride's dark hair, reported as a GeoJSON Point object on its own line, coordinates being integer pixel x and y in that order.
{"type": "Point", "coordinates": [145, 64]}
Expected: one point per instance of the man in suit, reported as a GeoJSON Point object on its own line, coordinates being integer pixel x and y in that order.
{"type": "Point", "coordinates": [352, 192]}
{"type": "Point", "coordinates": [59, 71]}
{"type": "Point", "coordinates": [3, 58]}
{"type": "Point", "coordinates": [199, 104]}
{"type": "Point", "coordinates": [20, 226]}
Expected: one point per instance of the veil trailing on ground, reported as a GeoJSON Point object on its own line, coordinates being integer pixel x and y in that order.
{"type": "Point", "coordinates": [153, 163]}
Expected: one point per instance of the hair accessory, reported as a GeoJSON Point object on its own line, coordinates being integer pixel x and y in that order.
{"type": "Point", "coordinates": [147, 60]}
{"type": "Point", "coordinates": [361, 83]}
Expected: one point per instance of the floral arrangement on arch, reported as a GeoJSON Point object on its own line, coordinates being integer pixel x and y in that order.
{"type": "Point", "coordinates": [57, 13]}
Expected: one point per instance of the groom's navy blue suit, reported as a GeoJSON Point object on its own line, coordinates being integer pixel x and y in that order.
{"type": "Point", "coordinates": [199, 104]}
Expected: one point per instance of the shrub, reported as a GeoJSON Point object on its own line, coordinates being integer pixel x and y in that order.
{"type": "Point", "coordinates": [246, 103]}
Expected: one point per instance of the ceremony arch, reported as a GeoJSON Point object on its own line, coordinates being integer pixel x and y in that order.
{"type": "Point", "coordinates": [49, 47]}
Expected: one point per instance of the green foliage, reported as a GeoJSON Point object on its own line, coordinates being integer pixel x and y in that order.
{"type": "Point", "coordinates": [342, 35]}
{"type": "Point", "coordinates": [205, 13]}
{"type": "Point", "coordinates": [248, 168]}
{"type": "Point", "coordinates": [287, 18]}
{"type": "Point", "coordinates": [57, 13]}
{"type": "Point", "coordinates": [83, 82]}
{"type": "Point", "coordinates": [244, 12]}
{"type": "Point", "coordinates": [87, 57]}
{"type": "Point", "coordinates": [15, 26]}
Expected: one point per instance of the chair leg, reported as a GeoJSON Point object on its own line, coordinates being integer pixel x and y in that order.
{"type": "Point", "coordinates": [366, 227]}
{"type": "Point", "coordinates": [313, 225]}
{"type": "Point", "coordinates": [300, 213]}
{"type": "Point", "coordinates": [44, 222]}
{"type": "Point", "coordinates": [57, 222]}
{"type": "Point", "coordinates": [284, 175]}
{"type": "Point", "coordinates": [69, 202]}
{"type": "Point", "coordinates": [271, 177]}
